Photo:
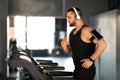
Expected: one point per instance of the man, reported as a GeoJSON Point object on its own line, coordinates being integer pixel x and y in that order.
{"type": "Point", "coordinates": [85, 43]}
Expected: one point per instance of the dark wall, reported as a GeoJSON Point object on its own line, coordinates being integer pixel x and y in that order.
{"type": "Point", "coordinates": [36, 7]}
{"type": "Point", "coordinates": [113, 4]}
{"type": "Point", "coordinates": [56, 7]}
{"type": "Point", "coordinates": [3, 37]}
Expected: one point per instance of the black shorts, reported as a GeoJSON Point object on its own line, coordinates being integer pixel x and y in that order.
{"type": "Point", "coordinates": [85, 74]}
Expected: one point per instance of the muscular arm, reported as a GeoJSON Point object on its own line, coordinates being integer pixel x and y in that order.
{"type": "Point", "coordinates": [65, 45]}
{"type": "Point", "coordinates": [100, 43]}
{"type": "Point", "coordinates": [100, 47]}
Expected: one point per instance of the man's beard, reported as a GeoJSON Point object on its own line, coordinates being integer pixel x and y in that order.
{"type": "Point", "coordinates": [72, 24]}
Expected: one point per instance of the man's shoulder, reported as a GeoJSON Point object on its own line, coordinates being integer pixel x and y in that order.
{"type": "Point", "coordinates": [87, 28]}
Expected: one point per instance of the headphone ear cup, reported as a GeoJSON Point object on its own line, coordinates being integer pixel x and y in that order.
{"type": "Point", "coordinates": [77, 15]}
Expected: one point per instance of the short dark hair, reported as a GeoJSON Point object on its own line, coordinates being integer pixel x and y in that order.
{"type": "Point", "coordinates": [78, 10]}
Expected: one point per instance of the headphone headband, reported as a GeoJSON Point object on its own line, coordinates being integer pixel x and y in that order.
{"type": "Point", "coordinates": [77, 15]}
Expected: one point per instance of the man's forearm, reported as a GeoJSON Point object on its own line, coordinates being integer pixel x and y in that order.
{"type": "Point", "coordinates": [99, 50]}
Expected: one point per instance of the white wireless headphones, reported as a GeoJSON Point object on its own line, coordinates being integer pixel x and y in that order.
{"type": "Point", "coordinates": [77, 15]}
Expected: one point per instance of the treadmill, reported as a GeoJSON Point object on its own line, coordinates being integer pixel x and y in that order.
{"type": "Point", "coordinates": [30, 70]}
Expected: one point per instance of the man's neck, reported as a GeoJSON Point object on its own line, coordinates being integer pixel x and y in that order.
{"type": "Point", "coordinates": [79, 24]}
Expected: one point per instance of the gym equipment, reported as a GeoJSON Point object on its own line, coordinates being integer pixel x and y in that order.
{"type": "Point", "coordinates": [30, 70]}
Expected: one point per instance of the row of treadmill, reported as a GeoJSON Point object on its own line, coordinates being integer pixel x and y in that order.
{"type": "Point", "coordinates": [31, 69]}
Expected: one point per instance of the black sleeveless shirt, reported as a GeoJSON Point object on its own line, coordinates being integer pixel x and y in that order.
{"type": "Point", "coordinates": [80, 49]}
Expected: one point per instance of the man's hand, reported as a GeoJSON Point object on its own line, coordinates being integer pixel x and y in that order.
{"type": "Point", "coordinates": [86, 63]}
{"type": "Point", "coordinates": [65, 45]}
{"type": "Point", "coordinates": [64, 42]}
